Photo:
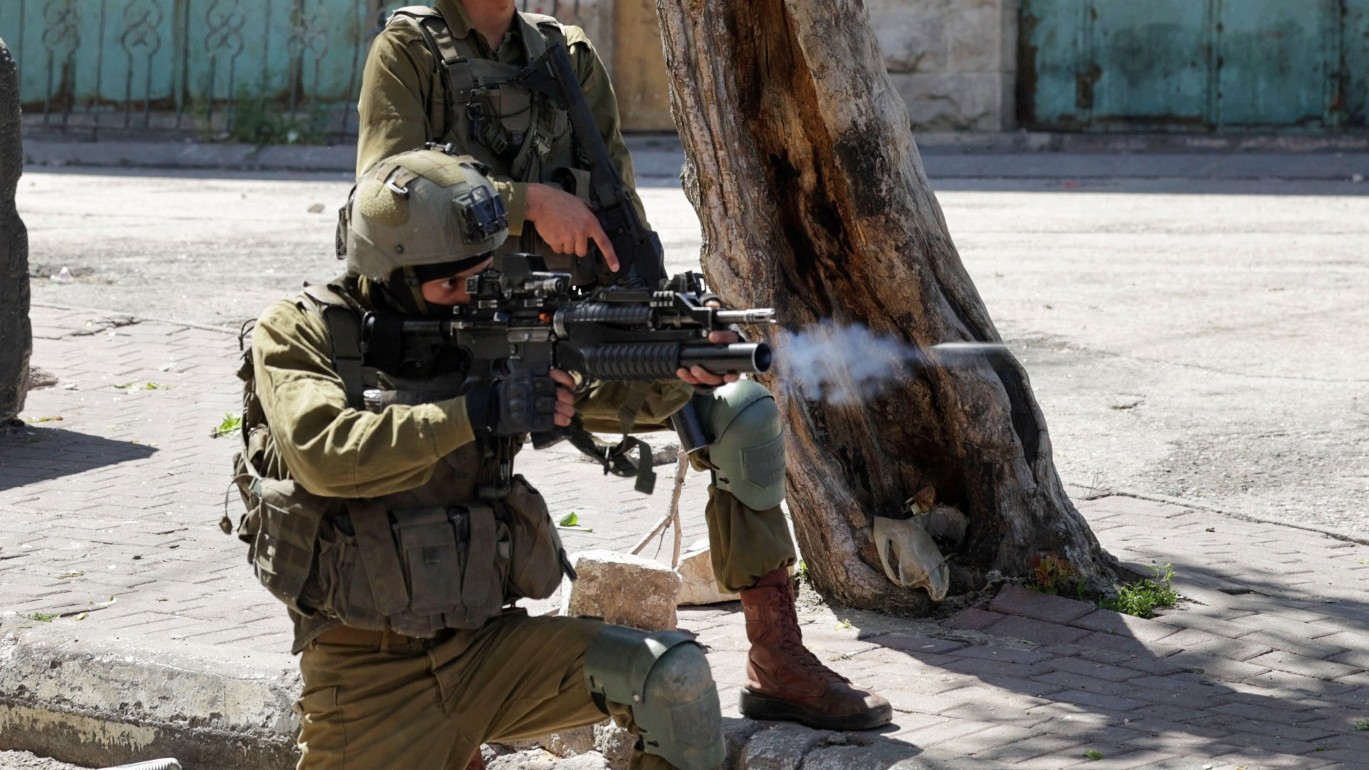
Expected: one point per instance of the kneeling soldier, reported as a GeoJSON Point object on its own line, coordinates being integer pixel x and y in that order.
{"type": "Point", "coordinates": [382, 509]}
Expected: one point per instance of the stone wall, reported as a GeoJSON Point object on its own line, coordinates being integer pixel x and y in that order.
{"type": "Point", "coordinates": [953, 61]}
{"type": "Point", "coordinates": [16, 335]}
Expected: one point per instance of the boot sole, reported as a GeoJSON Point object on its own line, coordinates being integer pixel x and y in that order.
{"type": "Point", "coordinates": [754, 706]}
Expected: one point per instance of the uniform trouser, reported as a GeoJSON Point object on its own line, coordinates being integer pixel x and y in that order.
{"type": "Point", "coordinates": [381, 701]}
{"type": "Point", "coordinates": [745, 544]}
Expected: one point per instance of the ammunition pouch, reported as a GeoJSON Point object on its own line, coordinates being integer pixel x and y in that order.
{"type": "Point", "coordinates": [415, 571]}
{"type": "Point", "coordinates": [280, 527]}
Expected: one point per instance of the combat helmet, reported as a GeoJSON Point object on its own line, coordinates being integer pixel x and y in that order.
{"type": "Point", "coordinates": [417, 216]}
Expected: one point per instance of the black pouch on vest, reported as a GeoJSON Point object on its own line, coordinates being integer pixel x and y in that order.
{"type": "Point", "coordinates": [539, 558]}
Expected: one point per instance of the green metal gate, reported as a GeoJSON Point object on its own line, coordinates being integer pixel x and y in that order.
{"type": "Point", "coordinates": [1193, 65]}
{"type": "Point", "coordinates": [187, 64]}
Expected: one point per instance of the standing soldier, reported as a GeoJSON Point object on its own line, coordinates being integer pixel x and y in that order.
{"type": "Point", "coordinates": [458, 73]}
{"type": "Point", "coordinates": [383, 510]}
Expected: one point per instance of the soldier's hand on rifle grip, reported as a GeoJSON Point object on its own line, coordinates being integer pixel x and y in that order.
{"type": "Point", "coordinates": [565, 397]}
{"type": "Point", "coordinates": [567, 224]}
{"type": "Point", "coordinates": [521, 402]}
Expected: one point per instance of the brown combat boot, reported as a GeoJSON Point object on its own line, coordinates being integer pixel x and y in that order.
{"type": "Point", "coordinates": [785, 680]}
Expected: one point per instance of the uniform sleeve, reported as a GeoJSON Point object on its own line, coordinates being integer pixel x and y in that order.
{"type": "Point", "coordinates": [600, 407]}
{"type": "Point", "coordinates": [329, 448]}
{"type": "Point", "coordinates": [396, 89]}
{"type": "Point", "coordinates": [603, 103]}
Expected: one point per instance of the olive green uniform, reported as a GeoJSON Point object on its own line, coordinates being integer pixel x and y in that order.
{"type": "Point", "coordinates": [374, 699]}
{"type": "Point", "coordinates": [403, 105]}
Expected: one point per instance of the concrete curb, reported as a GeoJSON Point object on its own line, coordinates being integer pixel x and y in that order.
{"type": "Point", "coordinates": [96, 701]}
{"type": "Point", "coordinates": [93, 703]}
{"type": "Point", "coordinates": [946, 156]}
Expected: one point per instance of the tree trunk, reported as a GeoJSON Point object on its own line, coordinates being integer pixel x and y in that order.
{"type": "Point", "coordinates": [16, 333]}
{"type": "Point", "coordinates": [813, 201]}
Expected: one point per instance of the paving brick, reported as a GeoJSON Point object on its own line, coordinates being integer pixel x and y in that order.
{"type": "Point", "coordinates": [1326, 647]}
{"type": "Point", "coordinates": [972, 619]}
{"type": "Point", "coordinates": [1117, 623]}
{"type": "Point", "coordinates": [1216, 668]}
{"type": "Point", "coordinates": [1017, 600]}
{"type": "Point", "coordinates": [1123, 645]}
{"type": "Point", "coordinates": [916, 644]}
{"type": "Point", "coordinates": [1041, 750]}
{"type": "Point", "coordinates": [1194, 640]}
{"type": "Point", "coordinates": [1037, 631]}
{"type": "Point", "coordinates": [1090, 668]}
{"type": "Point", "coordinates": [1098, 700]}
{"type": "Point", "coordinates": [952, 730]}
{"type": "Point", "coordinates": [1305, 666]}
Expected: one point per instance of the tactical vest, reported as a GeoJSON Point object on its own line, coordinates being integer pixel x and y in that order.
{"type": "Point", "coordinates": [446, 554]}
{"type": "Point", "coordinates": [495, 112]}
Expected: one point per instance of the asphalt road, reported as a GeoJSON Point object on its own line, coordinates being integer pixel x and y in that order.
{"type": "Point", "coordinates": [1193, 338]}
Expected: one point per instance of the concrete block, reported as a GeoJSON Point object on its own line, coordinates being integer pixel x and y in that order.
{"type": "Point", "coordinates": [623, 589]}
{"type": "Point", "coordinates": [698, 583]}
{"type": "Point", "coordinates": [910, 42]}
{"type": "Point", "coordinates": [957, 101]}
{"type": "Point", "coordinates": [16, 333]}
{"type": "Point", "coordinates": [974, 38]}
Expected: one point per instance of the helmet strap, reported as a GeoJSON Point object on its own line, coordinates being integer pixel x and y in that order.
{"type": "Point", "coordinates": [402, 290]}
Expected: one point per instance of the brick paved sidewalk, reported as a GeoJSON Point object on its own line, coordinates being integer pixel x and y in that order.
{"type": "Point", "coordinates": [111, 496]}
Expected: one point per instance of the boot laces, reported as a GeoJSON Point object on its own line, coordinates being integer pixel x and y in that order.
{"type": "Point", "coordinates": [792, 637]}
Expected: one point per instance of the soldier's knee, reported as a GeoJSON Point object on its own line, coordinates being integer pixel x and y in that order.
{"type": "Point", "coordinates": [748, 445]}
{"type": "Point", "coordinates": [665, 679]}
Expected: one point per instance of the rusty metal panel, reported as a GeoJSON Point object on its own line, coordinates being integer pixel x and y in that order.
{"type": "Point", "coordinates": [1351, 97]}
{"type": "Point", "coordinates": [1274, 62]}
{"type": "Point", "coordinates": [1149, 63]}
{"type": "Point", "coordinates": [1193, 64]}
{"type": "Point", "coordinates": [1053, 63]}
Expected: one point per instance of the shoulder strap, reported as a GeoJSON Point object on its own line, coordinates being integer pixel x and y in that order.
{"type": "Point", "coordinates": [438, 39]}
{"type": "Point", "coordinates": [344, 331]}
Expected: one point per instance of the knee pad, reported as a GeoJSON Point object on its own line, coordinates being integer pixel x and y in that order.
{"type": "Point", "coordinates": [665, 679]}
{"type": "Point", "coordinates": [748, 445]}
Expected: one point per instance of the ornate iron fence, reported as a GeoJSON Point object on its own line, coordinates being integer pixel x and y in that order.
{"type": "Point", "coordinates": [239, 68]}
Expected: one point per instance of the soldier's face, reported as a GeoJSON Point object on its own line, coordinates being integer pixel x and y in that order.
{"type": "Point", "coordinates": [450, 291]}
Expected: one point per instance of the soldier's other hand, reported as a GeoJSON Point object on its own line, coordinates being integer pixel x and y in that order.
{"type": "Point", "coordinates": [565, 397]}
{"type": "Point", "coordinates": [701, 377]}
{"type": "Point", "coordinates": [566, 223]}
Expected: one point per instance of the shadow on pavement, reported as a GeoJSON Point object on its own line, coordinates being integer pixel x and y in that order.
{"type": "Point", "coordinates": [1283, 685]}
{"type": "Point", "coordinates": [34, 453]}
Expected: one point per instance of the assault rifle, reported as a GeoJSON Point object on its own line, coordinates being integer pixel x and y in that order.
{"type": "Point", "coordinates": [522, 316]}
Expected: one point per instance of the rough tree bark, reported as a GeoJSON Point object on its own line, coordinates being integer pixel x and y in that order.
{"type": "Point", "coordinates": [813, 201]}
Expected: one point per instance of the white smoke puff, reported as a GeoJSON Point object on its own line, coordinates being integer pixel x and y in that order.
{"type": "Point", "coordinates": [842, 365]}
